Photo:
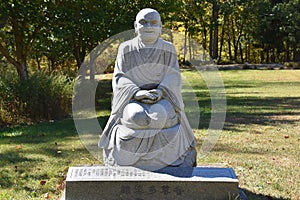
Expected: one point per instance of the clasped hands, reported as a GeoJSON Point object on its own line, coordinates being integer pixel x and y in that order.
{"type": "Point", "coordinates": [148, 96]}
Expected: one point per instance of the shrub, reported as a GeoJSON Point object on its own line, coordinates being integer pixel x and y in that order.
{"type": "Point", "coordinates": [84, 94]}
{"type": "Point", "coordinates": [9, 105]}
{"type": "Point", "coordinates": [41, 97]}
{"type": "Point", "coordinates": [292, 65]}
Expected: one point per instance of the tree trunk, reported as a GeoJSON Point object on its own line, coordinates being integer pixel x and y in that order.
{"type": "Point", "coordinates": [287, 52]}
{"type": "Point", "coordinates": [22, 71]}
{"type": "Point", "coordinates": [273, 55]}
{"type": "Point", "coordinates": [248, 52]}
{"type": "Point", "coordinates": [229, 47]}
{"type": "Point", "coordinates": [222, 41]}
{"type": "Point", "coordinates": [268, 53]}
{"type": "Point", "coordinates": [20, 52]}
{"type": "Point", "coordinates": [296, 53]}
{"type": "Point", "coordinates": [38, 61]}
{"type": "Point", "coordinates": [241, 52]}
{"type": "Point", "coordinates": [215, 48]}
{"type": "Point", "coordinates": [204, 38]}
{"type": "Point", "coordinates": [20, 66]}
{"type": "Point", "coordinates": [76, 53]}
{"type": "Point", "coordinates": [262, 54]}
{"type": "Point", "coordinates": [79, 50]}
{"type": "Point", "coordinates": [213, 44]}
{"type": "Point", "coordinates": [216, 33]}
{"type": "Point", "coordinates": [190, 48]}
{"type": "Point", "coordinates": [184, 48]}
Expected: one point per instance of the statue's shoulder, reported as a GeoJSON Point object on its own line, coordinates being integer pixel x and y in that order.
{"type": "Point", "coordinates": [128, 45]}
{"type": "Point", "coordinates": [169, 46]}
{"type": "Point", "coordinates": [165, 42]}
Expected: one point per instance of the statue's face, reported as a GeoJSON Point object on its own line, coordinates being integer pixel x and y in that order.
{"type": "Point", "coordinates": [148, 25]}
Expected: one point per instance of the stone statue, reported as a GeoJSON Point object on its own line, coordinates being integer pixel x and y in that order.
{"type": "Point", "coordinates": [147, 128]}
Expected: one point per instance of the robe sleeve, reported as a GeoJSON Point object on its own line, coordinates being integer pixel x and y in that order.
{"type": "Point", "coordinates": [123, 91]}
{"type": "Point", "coordinates": [171, 83]}
{"type": "Point", "coordinates": [123, 87]}
{"type": "Point", "coordinates": [171, 86]}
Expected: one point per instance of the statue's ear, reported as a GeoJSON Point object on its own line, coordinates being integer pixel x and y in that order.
{"type": "Point", "coordinates": [135, 26]}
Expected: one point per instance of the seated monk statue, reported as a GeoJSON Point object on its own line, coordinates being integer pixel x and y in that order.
{"type": "Point", "coordinates": [147, 127]}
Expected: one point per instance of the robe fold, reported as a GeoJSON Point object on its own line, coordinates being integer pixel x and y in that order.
{"type": "Point", "coordinates": [141, 67]}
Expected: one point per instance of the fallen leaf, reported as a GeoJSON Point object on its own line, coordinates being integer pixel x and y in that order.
{"type": "Point", "coordinates": [47, 196]}
{"type": "Point", "coordinates": [60, 185]}
{"type": "Point", "coordinates": [19, 147]}
{"type": "Point", "coordinates": [42, 135]}
{"type": "Point", "coordinates": [43, 182]}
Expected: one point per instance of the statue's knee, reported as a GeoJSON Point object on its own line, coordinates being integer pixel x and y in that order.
{"type": "Point", "coordinates": [171, 114]}
{"type": "Point", "coordinates": [134, 116]}
{"type": "Point", "coordinates": [167, 105]}
{"type": "Point", "coordinates": [141, 119]}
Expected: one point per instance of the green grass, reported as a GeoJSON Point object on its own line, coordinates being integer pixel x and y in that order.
{"type": "Point", "coordinates": [261, 134]}
{"type": "Point", "coordinates": [35, 159]}
{"type": "Point", "coordinates": [260, 139]}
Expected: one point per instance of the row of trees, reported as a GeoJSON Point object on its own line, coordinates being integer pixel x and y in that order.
{"type": "Point", "coordinates": [60, 33]}
{"type": "Point", "coordinates": [245, 30]}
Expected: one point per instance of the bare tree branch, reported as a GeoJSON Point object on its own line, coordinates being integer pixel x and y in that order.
{"type": "Point", "coordinates": [5, 53]}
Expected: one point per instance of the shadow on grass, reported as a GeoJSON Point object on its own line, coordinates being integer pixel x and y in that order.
{"type": "Point", "coordinates": [39, 133]}
{"type": "Point", "coordinates": [262, 111]}
{"type": "Point", "coordinates": [253, 196]}
{"type": "Point", "coordinates": [44, 138]}
{"type": "Point", "coordinates": [252, 110]}
{"type": "Point", "coordinates": [26, 155]}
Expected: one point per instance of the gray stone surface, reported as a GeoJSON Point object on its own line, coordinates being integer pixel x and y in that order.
{"type": "Point", "coordinates": [129, 183]}
{"type": "Point", "coordinates": [147, 127]}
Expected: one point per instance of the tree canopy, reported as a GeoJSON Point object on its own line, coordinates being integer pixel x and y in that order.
{"type": "Point", "coordinates": [60, 33]}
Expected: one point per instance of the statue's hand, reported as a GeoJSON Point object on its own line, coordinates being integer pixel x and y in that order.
{"type": "Point", "coordinates": [158, 94]}
{"type": "Point", "coordinates": [148, 96]}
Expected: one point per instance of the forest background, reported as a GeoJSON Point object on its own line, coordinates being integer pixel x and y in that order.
{"type": "Point", "coordinates": [44, 42]}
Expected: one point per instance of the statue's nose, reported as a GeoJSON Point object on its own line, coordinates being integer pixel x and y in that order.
{"type": "Point", "coordinates": [147, 24]}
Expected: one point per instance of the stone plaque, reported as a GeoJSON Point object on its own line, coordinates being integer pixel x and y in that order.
{"type": "Point", "coordinates": [171, 183]}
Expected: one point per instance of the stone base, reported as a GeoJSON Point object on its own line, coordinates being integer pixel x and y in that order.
{"type": "Point", "coordinates": [170, 183]}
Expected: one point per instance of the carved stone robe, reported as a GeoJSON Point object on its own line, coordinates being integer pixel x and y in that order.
{"type": "Point", "coordinates": [146, 67]}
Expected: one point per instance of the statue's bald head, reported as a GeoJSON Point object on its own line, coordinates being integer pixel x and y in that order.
{"type": "Point", "coordinates": [147, 11]}
{"type": "Point", "coordinates": [148, 25]}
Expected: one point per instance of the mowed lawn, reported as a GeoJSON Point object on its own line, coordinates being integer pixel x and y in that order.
{"type": "Point", "coordinates": [260, 138]}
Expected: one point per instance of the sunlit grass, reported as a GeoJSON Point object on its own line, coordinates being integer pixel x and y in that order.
{"type": "Point", "coordinates": [261, 135]}
{"type": "Point", "coordinates": [260, 139]}
{"type": "Point", "coordinates": [35, 159]}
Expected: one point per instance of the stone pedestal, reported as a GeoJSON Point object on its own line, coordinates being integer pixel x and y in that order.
{"type": "Point", "coordinates": [128, 183]}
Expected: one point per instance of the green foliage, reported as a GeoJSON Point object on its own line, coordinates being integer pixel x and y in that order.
{"type": "Point", "coordinates": [59, 34]}
{"type": "Point", "coordinates": [8, 100]}
{"type": "Point", "coordinates": [41, 97]}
